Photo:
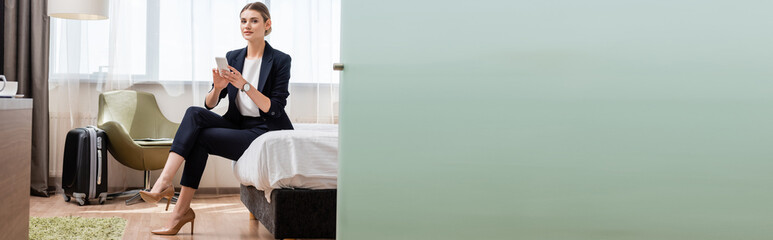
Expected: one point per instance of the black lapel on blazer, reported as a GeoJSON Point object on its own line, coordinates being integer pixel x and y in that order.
{"type": "Point", "coordinates": [265, 66]}
{"type": "Point", "coordinates": [238, 62]}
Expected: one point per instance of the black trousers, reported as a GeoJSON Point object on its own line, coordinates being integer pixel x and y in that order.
{"type": "Point", "coordinates": [204, 132]}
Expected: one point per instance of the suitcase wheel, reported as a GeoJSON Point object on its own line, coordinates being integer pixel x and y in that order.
{"type": "Point", "coordinates": [81, 201]}
{"type": "Point", "coordinates": [66, 198]}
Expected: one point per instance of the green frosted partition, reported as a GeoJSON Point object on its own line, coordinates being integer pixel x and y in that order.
{"type": "Point", "coordinates": [556, 120]}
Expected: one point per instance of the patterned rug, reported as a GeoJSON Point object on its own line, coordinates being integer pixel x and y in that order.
{"type": "Point", "coordinates": [76, 228]}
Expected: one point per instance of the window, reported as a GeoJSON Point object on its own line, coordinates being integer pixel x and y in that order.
{"type": "Point", "coordinates": [177, 40]}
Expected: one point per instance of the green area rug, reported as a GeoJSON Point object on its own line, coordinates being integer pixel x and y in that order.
{"type": "Point", "coordinates": [76, 228]}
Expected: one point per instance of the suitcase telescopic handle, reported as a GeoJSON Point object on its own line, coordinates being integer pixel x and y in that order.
{"type": "Point", "coordinates": [99, 161]}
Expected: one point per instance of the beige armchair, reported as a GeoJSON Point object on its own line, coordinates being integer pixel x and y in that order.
{"type": "Point", "coordinates": [138, 133]}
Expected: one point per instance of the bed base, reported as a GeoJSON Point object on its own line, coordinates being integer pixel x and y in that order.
{"type": "Point", "coordinates": [293, 213]}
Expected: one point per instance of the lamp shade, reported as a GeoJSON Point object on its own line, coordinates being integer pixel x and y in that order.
{"type": "Point", "coordinates": [78, 9]}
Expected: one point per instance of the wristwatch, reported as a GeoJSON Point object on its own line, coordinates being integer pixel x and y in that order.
{"type": "Point", "coordinates": [246, 87]}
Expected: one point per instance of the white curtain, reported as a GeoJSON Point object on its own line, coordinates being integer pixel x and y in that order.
{"type": "Point", "coordinates": [309, 31]}
{"type": "Point", "coordinates": [167, 47]}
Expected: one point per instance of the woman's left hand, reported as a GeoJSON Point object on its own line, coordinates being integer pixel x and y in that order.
{"type": "Point", "coordinates": [235, 78]}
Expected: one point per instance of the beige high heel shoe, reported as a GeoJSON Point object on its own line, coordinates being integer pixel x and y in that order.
{"type": "Point", "coordinates": [168, 193]}
{"type": "Point", "coordinates": [189, 216]}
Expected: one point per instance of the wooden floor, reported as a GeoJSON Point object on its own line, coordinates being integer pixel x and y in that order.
{"type": "Point", "coordinates": [217, 216]}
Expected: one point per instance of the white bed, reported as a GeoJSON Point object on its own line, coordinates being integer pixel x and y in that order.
{"type": "Point", "coordinates": [306, 157]}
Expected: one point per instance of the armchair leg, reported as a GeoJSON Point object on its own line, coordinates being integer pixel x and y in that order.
{"type": "Point", "coordinates": [133, 200]}
{"type": "Point", "coordinates": [136, 198]}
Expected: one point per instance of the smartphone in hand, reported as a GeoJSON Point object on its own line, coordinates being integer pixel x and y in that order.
{"type": "Point", "coordinates": [222, 65]}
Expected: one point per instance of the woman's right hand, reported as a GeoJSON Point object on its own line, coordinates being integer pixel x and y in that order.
{"type": "Point", "coordinates": [219, 81]}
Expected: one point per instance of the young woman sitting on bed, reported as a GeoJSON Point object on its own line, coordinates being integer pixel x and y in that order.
{"type": "Point", "coordinates": [256, 86]}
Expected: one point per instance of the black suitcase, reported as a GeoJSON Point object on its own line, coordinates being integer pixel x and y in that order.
{"type": "Point", "coordinates": [84, 169]}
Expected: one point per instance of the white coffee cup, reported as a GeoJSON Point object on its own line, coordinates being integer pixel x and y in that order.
{"type": "Point", "coordinates": [9, 88]}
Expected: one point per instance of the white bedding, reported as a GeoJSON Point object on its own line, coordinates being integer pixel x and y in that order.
{"type": "Point", "coordinates": [306, 157]}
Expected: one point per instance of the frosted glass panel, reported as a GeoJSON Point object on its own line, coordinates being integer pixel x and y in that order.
{"type": "Point", "coordinates": [556, 120]}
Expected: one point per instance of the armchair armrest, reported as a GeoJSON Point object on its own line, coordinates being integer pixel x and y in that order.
{"type": "Point", "coordinates": [122, 146]}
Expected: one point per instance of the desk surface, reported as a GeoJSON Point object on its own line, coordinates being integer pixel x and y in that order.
{"type": "Point", "coordinates": [15, 103]}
